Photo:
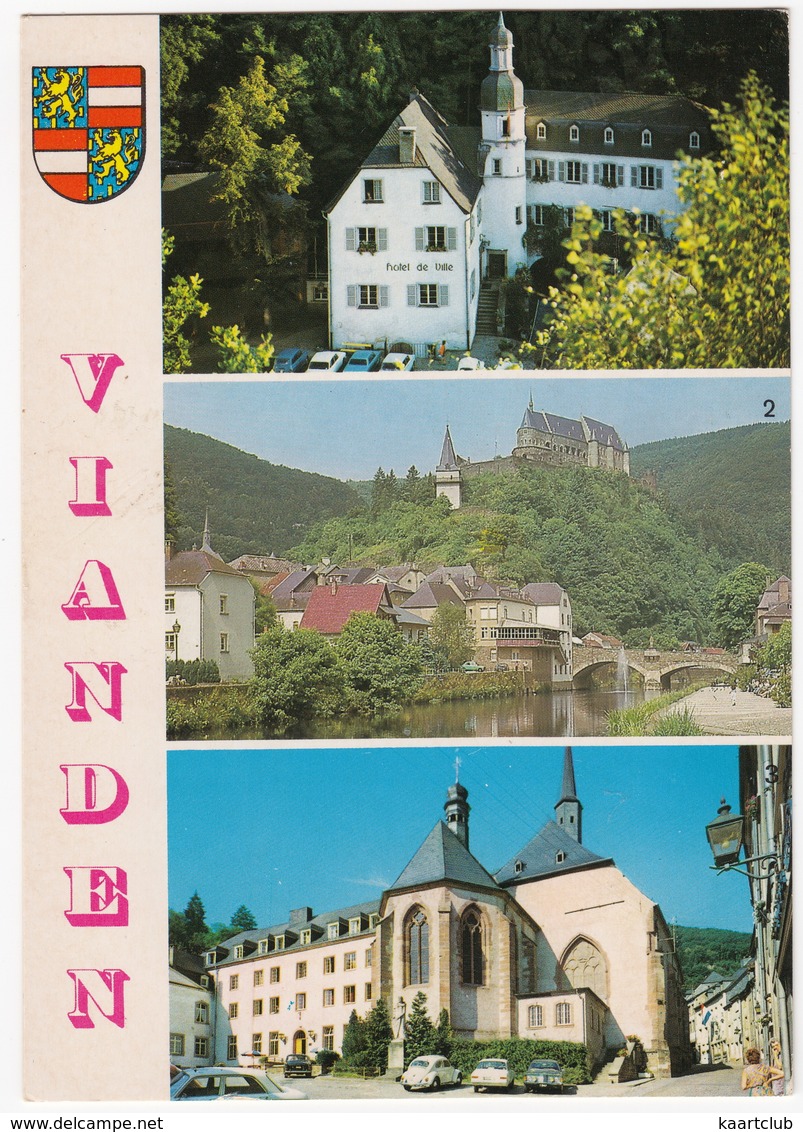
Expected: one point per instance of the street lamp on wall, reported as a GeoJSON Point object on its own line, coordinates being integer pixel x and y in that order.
{"type": "Point", "coordinates": [726, 837]}
{"type": "Point", "coordinates": [176, 630]}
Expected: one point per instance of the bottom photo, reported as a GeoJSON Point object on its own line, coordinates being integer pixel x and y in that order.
{"type": "Point", "coordinates": [480, 921]}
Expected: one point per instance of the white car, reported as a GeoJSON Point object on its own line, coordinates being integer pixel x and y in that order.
{"type": "Point", "coordinates": [226, 1083]}
{"type": "Point", "coordinates": [468, 362]}
{"type": "Point", "coordinates": [395, 361]}
{"type": "Point", "coordinates": [430, 1072]}
{"type": "Point", "coordinates": [492, 1073]}
{"type": "Point", "coordinates": [327, 361]}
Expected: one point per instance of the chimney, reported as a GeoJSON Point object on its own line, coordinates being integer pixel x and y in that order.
{"type": "Point", "coordinates": [300, 915]}
{"type": "Point", "coordinates": [407, 145]}
{"type": "Point", "coordinates": [168, 549]}
{"type": "Point", "coordinates": [783, 590]}
{"type": "Point", "coordinates": [333, 587]}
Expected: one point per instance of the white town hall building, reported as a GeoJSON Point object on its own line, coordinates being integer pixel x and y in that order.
{"type": "Point", "coordinates": [434, 211]}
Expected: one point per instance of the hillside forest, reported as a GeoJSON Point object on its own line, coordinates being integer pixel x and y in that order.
{"type": "Point", "coordinates": [638, 559]}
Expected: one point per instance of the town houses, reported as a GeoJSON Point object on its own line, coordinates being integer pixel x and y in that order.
{"type": "Point", "coordinates": [435, 215]}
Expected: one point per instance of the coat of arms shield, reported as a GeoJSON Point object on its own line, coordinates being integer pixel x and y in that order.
{"type": "Point", "coordinates": [89, 129]}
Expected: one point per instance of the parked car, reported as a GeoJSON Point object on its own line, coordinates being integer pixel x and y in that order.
{"type": "Point", "coordinates": [543, 1075]}
{"type": "Point", "coordinates": [226, 1082]}
{"type": "Point", "coordinates": [330, 361]}
{"type": "Point", "coordinates": [470, 666]}
{"type": "Point", "coordinates": [363, 361]}
{"type": "Point", "coordinates": [292, 359]}
{"type": "Point", "coordinates": [492, 1073]}
{"type": "Point", "coordinates": [396, 361]}
{"type": "Point", "coordinates": [431, 1072]}
{"type": "Point", "coordinates": [297, 1065]}
{"type": "Point", "coordinates": [468, 362]}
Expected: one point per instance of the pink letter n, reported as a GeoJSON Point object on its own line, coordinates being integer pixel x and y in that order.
{"type": "Point", "coordinates": [105, 989]}
{"type": "Point", "coordinates": [102, 681]}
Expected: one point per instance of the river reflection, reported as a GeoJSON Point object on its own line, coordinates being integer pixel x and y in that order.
{"type": "Point", "coordinates": [547, 715]}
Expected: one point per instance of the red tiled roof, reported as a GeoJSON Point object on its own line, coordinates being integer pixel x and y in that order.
{"type": "Point", "coordinates": [329, 608]}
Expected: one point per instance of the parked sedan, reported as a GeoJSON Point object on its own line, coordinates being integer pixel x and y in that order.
{"type": "Point", "coordinates": [431, 1072]}
{"type": "Point", "coordinates": [467, 362]}
{"type": "Point", "coordinates": [328, 361]}
{"type": "Point", "coordinates": [363, 361]}
{"type": "Point", "coordinates": [492, 1073]}
{"type": "Point", "coordinates": [291, 360]}
{"type": "Point", "coordinates": [297, 1065]}
{"type": "Point", "coordinates": [543, 1075]}
{"type": "Point", "coordinates": [396, 361]}
{"type": "Point", "coordinates": [223, 1083]}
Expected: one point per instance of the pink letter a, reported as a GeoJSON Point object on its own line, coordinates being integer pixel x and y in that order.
{"type": "Point", "coordinates": [92, 373]}
{"type": "Point", "coordinates": [95, 597]}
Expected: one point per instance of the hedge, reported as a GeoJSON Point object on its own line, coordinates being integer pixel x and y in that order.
{"type": "Point", "coordinates": [519, 1052]}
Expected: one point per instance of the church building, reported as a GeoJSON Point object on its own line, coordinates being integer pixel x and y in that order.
{"type": "Point", "coordinates": [557, 944]}
{"type": "Point", "coordinates": [435, 212]}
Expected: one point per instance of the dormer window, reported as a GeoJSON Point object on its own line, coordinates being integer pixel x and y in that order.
{"type": "Point", "coordinates": [278, 943]}
{"type": "Point", "coordinates": [608, 135]}
{"type": "Point", "coordinates": [574, 133]}
{"type": "Point", "coordinates": [333, 930]}
{"type": "Point", "coordinates": [694, 140]}
{"type": "Point", "coordinates": [540, 131]}
{"type": "Point", "coordinates": [262, 947]}
{"type": "Point", "coordinates": [238, 951]}
{"type": "Point", "coordinates": [646, 138]}
{"type": "Point", "coordinates": [560, 857]}
{"type": "Point", "coordinates": [519, 867]}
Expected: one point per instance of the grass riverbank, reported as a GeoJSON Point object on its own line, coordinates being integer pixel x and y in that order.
{"type": "Point", "coordinates": [648, 718]}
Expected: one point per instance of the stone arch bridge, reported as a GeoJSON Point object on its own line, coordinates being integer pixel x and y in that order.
{"type": "Point", "coordinates": [655, 667]}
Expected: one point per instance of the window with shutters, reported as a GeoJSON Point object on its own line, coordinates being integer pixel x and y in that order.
{"type": "Point", "coordinates": [435, 238]}
{"type": "Point", "coordinates": [427, 295]}
{"type": "Point", "coordinates": [609, 174]}
{"type": "Point", "coordinates": [367, 296]}
{"type": "Point", "coordinates": [537, 214]}
{"type": "Point", "coordinates": [647, 177]}
{"type": "Point", "coordinates": [576, 172]}
{"type": "Point", "coordinates": [543, 169]}
{"type": "Point", "coordinates": [366, 239]}
{"type": "Point", "coordinates": [649, 224]}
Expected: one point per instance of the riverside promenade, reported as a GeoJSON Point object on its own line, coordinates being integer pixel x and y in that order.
{"type": "Point", "coordinates": [718, 713]}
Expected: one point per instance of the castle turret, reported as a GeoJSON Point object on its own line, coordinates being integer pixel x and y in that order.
{"type": "Point", "coordinates": [568, 808]}
{"type": "Point", "coordinates": [448, 480]}
{"type": "Point", "coordinates": [502, 112]}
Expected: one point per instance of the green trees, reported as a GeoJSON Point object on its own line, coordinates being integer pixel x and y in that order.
{"type": "Point", "coordinates": [379, 668]}
{"type": "Point", "coordinates": [451, 636]}
{"type": "Point", "coordinates": [378, 1035]}
{"type": "Point", "coordinates": [734, 601]}
{"type": "Point", "coordinates": [243, 920]}
{"type": "Point", "coordinates": [296, 676]}
{"type": "Point", "coordinates": [354, 1043]}
{"type": "Point", "coordinates": [718, 295]}
{"type": "Point", "coordinates": [188, 930]}
{"type": "Point", "coordinates": [420, 1036]}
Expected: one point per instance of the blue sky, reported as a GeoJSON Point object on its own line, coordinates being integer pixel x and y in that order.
{"type": "Point", "coordinates": [281, 828]}
{"type": "Point", "coordinates": [348, 429]}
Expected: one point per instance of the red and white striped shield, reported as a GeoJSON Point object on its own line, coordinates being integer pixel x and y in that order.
{"type": "Point", "coordinates": [89, 129]}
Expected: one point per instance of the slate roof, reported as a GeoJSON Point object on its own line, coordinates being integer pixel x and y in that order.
{"type": "Point", "coordinates": [190, 567]}
{"type": "Point", "coordinates": [329, 611]}
{"type": "Point", "coordinates": [772, 594]}
{"type": "Point", "coordinates": [429, 594]}
{"type": "Point", "coordinates": [449, 460]}
{"type": "Point", "coordinates": [264, 563]}
{"type": "Point", "coordinates": [551, 423]}
{"type": "Point", "coordinates": [433, 150]}
{"type": "Point", "coordinates": [741, 983]}
{"type": "Point", "coordinates": [543, 593]}
{"type": "Point", "coordinates": [670, 118]}
{"type": "Point", "coordinates": [286, 593]}
{"type": "Point", "coordinates": [538, 857]}
{"type": "Point", "coordinates": [319, 921]}
{"type": "Point", "coordinates": [603, 433]}
{"type": "Point", "coordinates": [442, 856]}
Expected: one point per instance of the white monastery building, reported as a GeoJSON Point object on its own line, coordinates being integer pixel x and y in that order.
{"type": "Point", "coordinates": [435, 211]}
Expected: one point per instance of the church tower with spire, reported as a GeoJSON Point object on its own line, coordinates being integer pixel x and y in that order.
{"type": "Point", "coordinates": [568, 808]}
{"type": "Point", "coordinates": [448, 479]}
{"type": "Point", "coordinates": [503, 146]}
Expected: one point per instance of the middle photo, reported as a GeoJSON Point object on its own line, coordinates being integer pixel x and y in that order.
{"type": "Point", "coordinates": [413, 559]}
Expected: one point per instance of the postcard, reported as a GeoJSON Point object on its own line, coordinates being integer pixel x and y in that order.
{"type": "Point", "coordinates": [406, 562]}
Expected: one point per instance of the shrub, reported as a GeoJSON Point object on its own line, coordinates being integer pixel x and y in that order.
{"type": "Point", "coordinates": [326, 1058]}
{"type": "Point", "coordinates": [519, 1052]}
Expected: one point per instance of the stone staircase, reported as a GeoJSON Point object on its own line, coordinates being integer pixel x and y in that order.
{"type": "Point", "coordinates": [486, 310]}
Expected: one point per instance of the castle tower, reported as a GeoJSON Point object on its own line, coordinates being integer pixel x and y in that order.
{"type": "Point", "coordinates": [448, 480]}
{"type": "Point", "coordinates": [502, 112]}
{"type": "Point", "coordinates": [457, 810]}
{"type": "Point", "coordinates": [568, 808]}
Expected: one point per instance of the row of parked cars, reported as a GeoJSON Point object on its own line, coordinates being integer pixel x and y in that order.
{"type": "Point", "coordinates": [293, 359]}
{"type": "Point", "coordinates": [219, 1083]}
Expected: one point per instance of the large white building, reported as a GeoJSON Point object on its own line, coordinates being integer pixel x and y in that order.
{"type": "Point", "coordinates": [434, 211]}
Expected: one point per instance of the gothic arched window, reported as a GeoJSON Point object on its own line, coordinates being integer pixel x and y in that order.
{"type": "Point", "coordinates": [471, 948]}
{"type": "Point", "coordinates": [417, 947]}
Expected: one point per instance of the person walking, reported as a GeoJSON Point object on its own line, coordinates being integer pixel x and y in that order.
{"type": "Point", "coordinates": [776, 1061]}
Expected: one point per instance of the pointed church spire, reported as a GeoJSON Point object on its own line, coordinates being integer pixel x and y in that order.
{"type": "Point", "coordinates": [568, 808]}
{"type": "Point", "coordinates": [448, 458]}
{"type": "Point", "coordinates": [457, 810]}
{"type": "Point", "coordinates": [207, 544]}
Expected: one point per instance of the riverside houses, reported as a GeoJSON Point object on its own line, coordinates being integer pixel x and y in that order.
{"type": "Point", "coordinates": [436, 213]}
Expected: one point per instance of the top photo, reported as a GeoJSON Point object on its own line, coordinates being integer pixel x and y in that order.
{"type": "Point", "coordinates": [370, 193]}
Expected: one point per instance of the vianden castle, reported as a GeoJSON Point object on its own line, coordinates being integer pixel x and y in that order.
{"type": "Point", "coordinates": [542, 438]}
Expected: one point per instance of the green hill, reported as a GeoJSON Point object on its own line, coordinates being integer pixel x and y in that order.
{"type": "Point", "coordinates": [255, 507]}
{"type": "Point", "coordinates": [730, 488]}
{"type": "Point", "coordinates": [703, 950]}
